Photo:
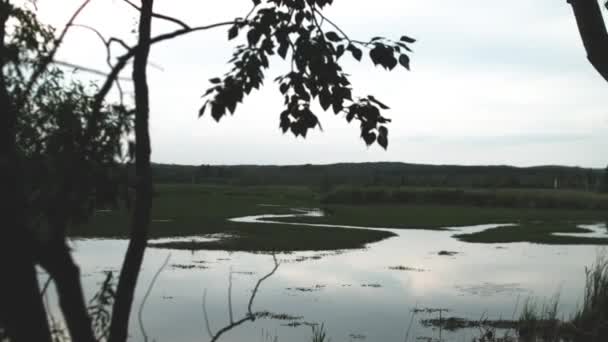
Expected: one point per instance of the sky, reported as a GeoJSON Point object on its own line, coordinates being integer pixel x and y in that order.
{"type": "Point", "coordinates": [491, 82]}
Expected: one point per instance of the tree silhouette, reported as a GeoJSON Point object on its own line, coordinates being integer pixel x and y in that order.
{"type": "Point", "coordinates": [593, 32]}
{"type": "Point", "coordinates": [290, 28]}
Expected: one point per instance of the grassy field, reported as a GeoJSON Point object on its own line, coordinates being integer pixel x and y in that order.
{"type": "Point", "coordinates": [182, 210]}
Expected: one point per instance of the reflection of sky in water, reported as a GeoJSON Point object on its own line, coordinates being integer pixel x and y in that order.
{"type": "Point", "coordinates": [482, 278]}
{"type": "Point", "coordinates": [596, 231]}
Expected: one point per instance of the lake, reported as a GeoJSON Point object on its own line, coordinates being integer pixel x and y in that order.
{"type": "Point", "coordinates": [369, 294]}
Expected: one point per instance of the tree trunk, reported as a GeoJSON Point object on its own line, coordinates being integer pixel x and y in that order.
{"type": "Point", "coordinates": [143, 201]}
{"type": "Point", "coordinates": [21, 310]}
{"type": "Point", "coordinates": [592, 28]}
{"type": "Point", "coordinates": [58, 262]}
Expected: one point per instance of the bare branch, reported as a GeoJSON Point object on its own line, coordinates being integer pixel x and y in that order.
{"type": "Point", "coordinates": [332, 23]}
{"type": "Point", "coordinates": [249, 316]}
{"type": "Point", "coordinates": [161, 16]}
{"type": "Point", "coordinates": [257, 286]}
{"type": "Point", "coordinates": [87, 69]}
{"type": "Point", "coordinates": [205, 315]}
{"type": "Point", "coordinates": [122, 62]}
{"type": "Point", "coordinates": [230, 314]}
{"type": "Point", "coordinates": [143, 302]}
{"type": "Point", "coordinates": [46, 285]}
{"type": "Point", "coordinates": [46, 61]}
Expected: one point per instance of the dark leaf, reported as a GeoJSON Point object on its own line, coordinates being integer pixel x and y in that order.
{"type": "Point", "coordinates": [233, 32]}
{"type": "Point", "coordinates": [283, 50]}
{"type": "Point", "coordinates": [215, 80]}
{"type": "Point", "coordinates": [407, 39]}
{"type": "Point", "coordinates": [356, 52]}
{"type": "Point", "coordinates": [256, 2]}
{"type": "Point", "coordinates": [383, 141]}
{"type": "Point", "coordinates": [369, 137]}
{"type": "Point", "coordinates": [333, 36]}
{"type": "Point", "coordinates": [405, 61]}
{"type": "Point", "coordinates": [202, 110]}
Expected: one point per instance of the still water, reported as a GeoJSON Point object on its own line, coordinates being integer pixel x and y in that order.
{"type": "Point", "coordinates": [357, 294]}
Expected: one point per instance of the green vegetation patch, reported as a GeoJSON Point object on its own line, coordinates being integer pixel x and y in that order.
{"type": "Point", "coordinates": [537, 232]}
{"type": "Point", "coordinates": [184, 210]}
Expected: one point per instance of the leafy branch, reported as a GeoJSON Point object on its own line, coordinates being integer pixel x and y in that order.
{"type": "Point", "coordinates": [291, 27]}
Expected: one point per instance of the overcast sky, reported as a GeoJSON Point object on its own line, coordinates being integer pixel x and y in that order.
{"type": "Point", "coordinates": [492, 82]}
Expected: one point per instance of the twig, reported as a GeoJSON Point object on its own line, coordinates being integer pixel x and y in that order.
{"type": "Point", "coordinates": [257, 286]}
{"type": "Point", "coordinates": [46, 61]}
{"type": "Point", "coordinates": [161, 16]}
{"type": "Point", "coordinates": [143, 302]}
{"type": "Point", "coordinates": [249, 316]}
{"type": "Point", "coordinates": [231, 316]}
{"type": "Point", "coordinates": [87, 69]}
{"type": "Point", "coordinates": [46, 286]}
{"type": "Point", "coordinates": [331, 23]}
{"type": "Point", "coordinates": [205, 315]}
{"type": "Point", "coordinates": [122, 62]}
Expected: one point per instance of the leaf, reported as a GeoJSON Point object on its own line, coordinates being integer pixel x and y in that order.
{"type": "Point", "coordinates": [383, 141]}
{"type": "Point", "coordinates": [369, 138]}
{"type": "Point", "coordinates": [215, 80]}
{"type": "Point", "coordinates": [405, 61]}
{"type": "Point", "coordinates": [373, 99]}
{"type": "Point", "coordinates": [202, 110]}
{"type": "Point", "coordinates": [339, 51]}
{"type": "Point", "coordinates": [256, 2]}
{"type": "Point", "coordinates": [283, 50]}
{"type": "Point", "coordinates": [333, 36]}
{"type": "Point", "coordinates": [356, 52]}
{"type": "Point", "coordinates": [233, 32]}
{"type": "Point", "coordinates": [407, 39]}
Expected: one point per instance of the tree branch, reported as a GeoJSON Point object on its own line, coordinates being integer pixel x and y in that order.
{"type": "Point", "coordinates": [122, 62]}
{"type": "Point", "coordinates": [593, 32]}
{"type": "Point", "coordinates": [143, 301]}
{"type": "Point", "coordinates": [161, 16]}
{"type": "Point", "coordinates": [249, 316]}
{"type": "Point", "coordinates": [48, 59]}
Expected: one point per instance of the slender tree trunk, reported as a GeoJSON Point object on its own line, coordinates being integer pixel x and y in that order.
{"type": "Point", "coordinates": [592, 28]}
{"type": "Point", "coordinates": [21, 308]}
{"type": "Point", "coordinates": [143, 201]}
{"type": "Point", "coordinates": [57, 261]}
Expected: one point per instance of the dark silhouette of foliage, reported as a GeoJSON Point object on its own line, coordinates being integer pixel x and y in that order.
{"type": "Point", "coordinates": [60, 171]}
{"type": "Point", "coordinates": [296, 31]}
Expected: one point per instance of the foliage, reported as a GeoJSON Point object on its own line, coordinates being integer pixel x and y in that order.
{"type": "Point", "coordinates": [100, 306]}
{"type": "Point", "coordinates": [505, 198]}
{"type": "Point", "coordinates": [593, 315]}
{"type": "Point", "coordinates": [296, 28]}
{"type": "Point", "coordinates": [69, 156]}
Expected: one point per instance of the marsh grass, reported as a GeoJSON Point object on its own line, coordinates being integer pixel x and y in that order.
{"type": "Point", "coordinates": [592, 318]}
{"type": "Point", "coordinates": [319, 334]}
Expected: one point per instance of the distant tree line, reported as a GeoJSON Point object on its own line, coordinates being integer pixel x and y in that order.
{"type": "Point", "coordinates": [387, 174]}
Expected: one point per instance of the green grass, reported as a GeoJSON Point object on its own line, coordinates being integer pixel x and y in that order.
{"type": "Point", "coordinates": [199, 210]}
{"type": "Point", "coordinates": [537, 232]}
{"type": "Point", "coordinates": [205, 209]}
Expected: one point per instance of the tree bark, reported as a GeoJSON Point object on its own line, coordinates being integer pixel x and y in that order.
{"type": "Point", "coordinates": [143, 201]}
{"type": "Point", "coordinates": [21, 309]}
{"type": "Point", "coordinates": [592, 29]}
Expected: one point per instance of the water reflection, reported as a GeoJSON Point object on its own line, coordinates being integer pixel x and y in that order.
{"type": "Point", "coordinates": [482, 279]}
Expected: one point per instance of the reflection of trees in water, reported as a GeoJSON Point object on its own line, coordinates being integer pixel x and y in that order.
{"type": "Point", "coordinates": [250, 315]}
